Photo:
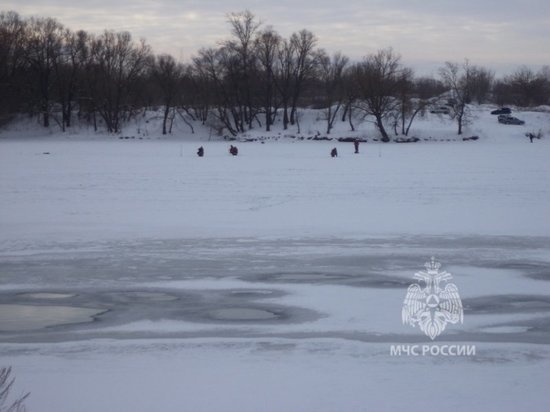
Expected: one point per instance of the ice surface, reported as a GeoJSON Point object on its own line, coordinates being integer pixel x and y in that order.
{"type": "Point", "coordinates": [275, 375]}
{"type": "Point", "coordinates": [273, 280]}
{"type": "Point", "coordinates": [118, 190]}
{"type": "Point", "coordinates": [242, 314]}
{"type": "Point", "coordinates": [46, 295]}
{"type": "Point", "coordinates": [28, 317]}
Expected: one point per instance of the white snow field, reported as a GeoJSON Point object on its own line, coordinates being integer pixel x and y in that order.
{"type": "Point", "coordinates": [136, 276]}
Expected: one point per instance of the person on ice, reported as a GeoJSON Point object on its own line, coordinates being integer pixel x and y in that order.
{"type": "Point", "coordinates": [334, 152]}
{"type": "Point", "coordinates": [200, 152]}
{"type": "Point", "coordinates": [233, 150]}
{"type": "Point", "coordinates": [356, 145]}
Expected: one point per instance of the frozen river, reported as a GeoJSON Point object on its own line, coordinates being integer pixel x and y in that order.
{"type": "Point", "coordinates": [294, 324]}
{"type": "Point", "coordinates": [294, 288]}
{"type": "Point", "coordinates": [135, 276]}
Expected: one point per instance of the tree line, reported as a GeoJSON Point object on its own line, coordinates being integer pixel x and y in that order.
{"type": "Point", "coordinates": [248, 80]}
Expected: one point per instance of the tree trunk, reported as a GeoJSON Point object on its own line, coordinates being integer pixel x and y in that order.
{"type": "Point", "coordinates": [329, 119]}
{"type": "Point", "coordinates": [294, 106]}
{"type": "Point", "coordinates": [380, 125]}
{"type": "Point", "coordinates": [268, 120]}
{"type": "Point", "coordinates": [69, 110]}
{"type": "Point", "coordinates": [346, 108]}
{"type": "Point", "coordinates": [350, 119]}
{"type": "Point", "coordinates": [46, 115]}
{"type": "Point", "coordinates": [285, 116]}
{"type": "Point", "coordinates": [165, 119]}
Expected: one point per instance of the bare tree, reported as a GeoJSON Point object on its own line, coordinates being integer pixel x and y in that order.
{"type": "Point", "coordinates": [523, 87]}
{"type": "Point", "coordinates": [428, 87]}
{"type": "Point", "coordinates": [304, 43]}
{"type": "Point", "coordinates": [13, 31]}
{"type": "Point", "coordinates": [523, 82]}
{"type": "Point", "coordinates": [528, 88]}
{"type": "Point", "coordinates": [242, 63]}
{"type": "Point", "coordinates": [283, 78]}
{"type": "Point", "coordinates": [231, 73]}
{"type": "Point", "coordinates": [91, 74]}
{"type": "Point", "coordinates": [458, 80]}
{"type": "Point", "coordinates": [544, 78]}
{"type": "Point", "coordinates": [118, 64]}
{"type": "Point", "coordinates": [6, 385]}
{"type": "Point", "coordinates": [201, 95]}
{"type": "Point", "coordinates": [43, 48]}
{"type": "Point", "coordinates": [377, 79]}
{"type": "Point", "coordinates": [410, 105]}
{"type": "Point", "coordinates": [67, 68]}
{"type": "Point", "coordinates": [351, 96]}
{"type": "Point", "coordinates": [216, 69]}
{"type": "Point", "coordinates": [481, 83]}
{"type": "Point", "coordinates": [168, 75]}
{"type": "Point", "coordinates": [331, 76]}
{"type": "Point", "coordinates": [267, 48]}
{"type": "Point", "coordinates": [502, 92]}
{"type": "Point", "coordinates": [243, 81]}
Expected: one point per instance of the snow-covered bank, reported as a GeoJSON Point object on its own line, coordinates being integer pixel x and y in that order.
{"type": "Point", "coordinates": [147, 125]}
{"type": "Point", "coordinates": [128, 189]}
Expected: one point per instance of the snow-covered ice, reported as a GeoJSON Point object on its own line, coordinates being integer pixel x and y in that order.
{"type": "Point", "coordinates": [273, 280]}
{"type": "Point", "coordinates": [97, 190]}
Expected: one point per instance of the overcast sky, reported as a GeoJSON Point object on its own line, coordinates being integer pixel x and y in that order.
{"type": "Point", "coordinates": [499, 34]}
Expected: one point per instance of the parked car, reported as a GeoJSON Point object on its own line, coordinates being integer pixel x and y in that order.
{"type": "Point", "coordinates": [502, 110]}
{"type": "Point", "coordinates": [440, 110]}
{"type": "Point", "coordinates": [507, 119]}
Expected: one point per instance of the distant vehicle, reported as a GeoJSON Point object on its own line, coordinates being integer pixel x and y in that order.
{"type": "Point", "coordinates": [440, 110]}
{"type": "Point", "coordinates": [507, 119]}
{"type": "Point", "coordinates": [502, 110]}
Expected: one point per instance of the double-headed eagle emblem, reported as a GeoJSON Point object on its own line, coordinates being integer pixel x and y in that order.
{"type": "Point", "coordinates": [432, 307]}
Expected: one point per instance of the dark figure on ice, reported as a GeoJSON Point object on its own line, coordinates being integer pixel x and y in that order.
{"type": "Point", "coordinates": [233, 150]}
{"type": "Point", "coordinates": [200, 152]}
{"type": "Point", "coordinates": [356, 145]}
{"type": "Point", "coordinates": [334, 152]}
